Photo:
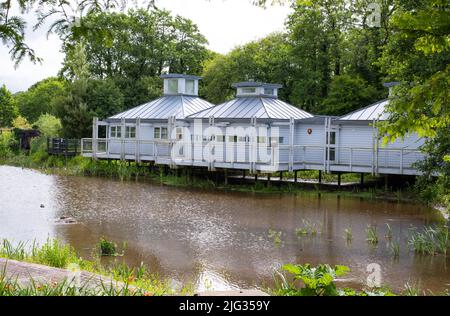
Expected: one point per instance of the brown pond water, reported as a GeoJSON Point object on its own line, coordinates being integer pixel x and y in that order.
{"type": "Point", "coordinates": [216, 240]}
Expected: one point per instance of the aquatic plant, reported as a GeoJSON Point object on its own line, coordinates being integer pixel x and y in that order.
{"type": "Point", "coordinates": [275, 236]}
{"type": "Point", "coordinates": [372, 235]}
{"type": "Point", "coordinates": [348, 234]}
{"type": "Point", "coordinates": [432, 241]}
{"type": "Point", "coordinates": [412, 289]}
{"type": "Point", "coordinates": [395, 249]}
{"type": "Point", "coordinates": [309, 228]}
{"type": "Point", "coordinates": [388, 231]}
{"type": "Point", "coordinates": [107, 248]}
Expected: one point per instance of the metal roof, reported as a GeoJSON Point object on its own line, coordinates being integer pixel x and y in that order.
{"type": "Point", "coordinates": [256, 84]}
{"type": "Point", "coordinates": [179, 106]}
{"type": "Point", "coordinates": [169, 76]}
{"type": "Point", "coordinates": [375, 111]}
{"type": "Point", "coordinates": [259, 107]}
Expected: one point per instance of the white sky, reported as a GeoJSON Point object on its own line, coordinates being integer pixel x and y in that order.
{"type": "Point", "coordinates": [225, 23]}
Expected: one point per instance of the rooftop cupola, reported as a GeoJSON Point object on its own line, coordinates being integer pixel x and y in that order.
{"type": "Point", "coordinates": [177, 84]}
{"type": "Point", "coordinates": [256, 89]}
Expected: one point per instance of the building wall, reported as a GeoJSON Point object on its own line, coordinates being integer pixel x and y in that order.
{"type": "Point", "coordinates": [360, 138]}
{"type": "Point", "coordinates": [309, 147]}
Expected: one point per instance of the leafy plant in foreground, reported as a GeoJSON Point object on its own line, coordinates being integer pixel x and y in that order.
{"type": "Point", "coordinates": [317, 281]}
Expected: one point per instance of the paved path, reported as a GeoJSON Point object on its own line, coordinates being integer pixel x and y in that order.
{"type": "Point", "coordinates": [24, 273]}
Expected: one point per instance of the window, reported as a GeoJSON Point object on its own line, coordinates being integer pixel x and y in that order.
{"type": "Point", "coordinates": [179, 133]}
{"type": "Point", "coordinates": [164, 133]}
{"type": "Point", "coordinates": [261, 139]}
{"type": "Point", "coordinates": [232, 139]}
{"type": "Point", "coordinates": [269, 91]}
{"type": "Point", "coordinates": [276, 140]}
{"type": "Point", "coordinates": [220, 138]}
{"type": "Point", "coordinates": [248, 90]}
{"type": "Point", "coordinates": [173, 86]}
{"type": "Point", "coordinates": [332, 154]}
{"type": "Point", "coordinates": [116, 132]}
{"type": "Point", "coordinates": [130, 132]}
{"type": "Point", "coordinates": [160, 133]}
{"type": "Point", "coordinates": [332, 138]}
{"type": "Point", "coordinates": [190, 87]}
{"type": "Point", "coordinates": [157, 133]}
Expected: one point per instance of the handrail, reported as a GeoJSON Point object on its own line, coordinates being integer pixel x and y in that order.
{"type": "Point", "coordinates": [344, 155]}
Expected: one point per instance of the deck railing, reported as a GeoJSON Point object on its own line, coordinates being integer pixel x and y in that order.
{"type": "Point", "coordinates": [63, 147]}
{"type": "Point", "coordinates": [298, 156]}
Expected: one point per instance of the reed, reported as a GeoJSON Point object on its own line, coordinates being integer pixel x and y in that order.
{"type": "Point", "coordinates": [372, 234]}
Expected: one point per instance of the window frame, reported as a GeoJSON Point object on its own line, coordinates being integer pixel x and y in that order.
{"type": "Point", "coordinates": [269, 91]}
{"type": "Point", "coordinates": [130, 132]}
{"type": "Point", "coordinates": [248, 90]}
{"type": "Point", "coordinates": [186, 86]}
{"type": "Point", "coordinates": [160, 130]}
{"type": "Point", "coordinates": [169, 82]}
{"type": "Point", "coordinates": [115, 131]}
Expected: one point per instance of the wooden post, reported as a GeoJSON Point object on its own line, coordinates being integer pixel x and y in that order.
{"type": "Point", "coordinates": [122, 138]}
{"type": "Point", "coordinates": [94, 137]}
{"type": "Point", "coordinates": [243, 174]}
{"type": "Point", "coordinates": [362, 180]}
{"type": "Point", "coordinates": [295, 176]}
{"type": "Point", "coordinates": [281, 175]}
{"type": "Point", "coordinates": [225, 175]}
{"type": "Point", "coordinates": [268, 180]}
{"type": "Point", "coordinates": [256, 177]}
{"type": "Point", "coordinates": [339, 180]}
{"type": "Point", "coordinates": [320, 176]}
{"type": "Point", "coordinates": [138, 140]}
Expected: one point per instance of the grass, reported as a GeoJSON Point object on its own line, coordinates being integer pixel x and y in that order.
{"type": "Point", "coordinates": [395, 249]}
{"type": "Point", "coordinates": [136, 280]}
{"type": "Point", "coordinates": [431, 241]}
{"type": "Point", "coordinates": [372, 234]}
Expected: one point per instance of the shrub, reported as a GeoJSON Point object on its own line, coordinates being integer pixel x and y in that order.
{"type": "Point", "coordinates": [107, 248]}
{"type": "Point", "coordinates": [7, 141]}
{"type": "Point", "coordinates": [49, 125]}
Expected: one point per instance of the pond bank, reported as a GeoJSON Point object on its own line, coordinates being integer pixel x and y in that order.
{"type": "Point", "coordinates": [32, 276]}
{"type": "Point", "coordinates": [308, 182]}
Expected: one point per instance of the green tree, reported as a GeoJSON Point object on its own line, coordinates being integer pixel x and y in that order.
{"type": "Point", "coordinates": [40, 98]}
{"type": "Point", "coordinates": [8, 107]}
{"type": "Point", "coordinates": [21, 123]}
{"type": "Point", "coordinates": [12, 30]}
{"type": "Point", "coordinates": [316, 34]}
{"type": "Point", "coordinates": [49, 125]}
{"type": "Point", "coordinates": [103, 98]}
{"type": "Point", "coordinates": [73, 110]}
{"type": "Point", "coordinates": [347, 93]}
{"type": "Point", "coordinates": [418, 56]}
{"type": "Point", "coordinates": [133, 49]}
{"type": "Point", "coordinates": [265, 60]}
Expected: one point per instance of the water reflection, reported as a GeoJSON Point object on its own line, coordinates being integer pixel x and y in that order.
{"type": "Point", "coordinates": [214, 240]}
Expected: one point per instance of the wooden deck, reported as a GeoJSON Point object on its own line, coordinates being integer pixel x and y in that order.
{"type": "Point", "coordinates": [386, 161]}
{"type": "Point", "coordinates": [63, 147]}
